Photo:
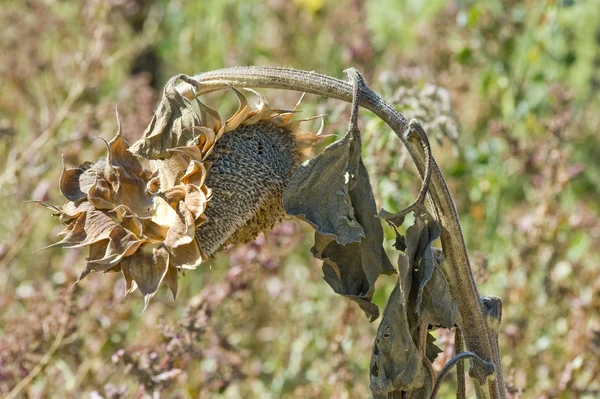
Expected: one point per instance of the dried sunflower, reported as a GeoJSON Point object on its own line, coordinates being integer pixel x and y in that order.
{"type": "Point", "coordinates": [212, 183]}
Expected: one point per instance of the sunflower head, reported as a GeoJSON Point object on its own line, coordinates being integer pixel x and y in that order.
{"type": "Point", "coordinates": [210, 183]}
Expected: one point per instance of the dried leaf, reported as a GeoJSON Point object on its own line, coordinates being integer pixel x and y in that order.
{"type": "Point", "coordinates": [343, 271]}
{"type": "Point", "coordinates": [171, 126]}
{"type": "Point", "coordinates": [319, 190]}
{"type": "Point", "coordinates": [432, 350]}
{"type": "Point", "coordinates": [421, 296]}
{"type": "Point", "coordinates": [420, 254]}
{"type": "Point", "coordinates": [430, 296]}
{"type": "Point", "coordinates": [334, 194]}
{"type": "Point", "coordinates": [352, 269]}
{"type": "Point", "coordinates": [187, 256]}
{"type": "Point", "coordinates": [170, 280]}
{"type": "Point", "coordinates": [90, 226]}
{"type": "Point", "coordinates": [396, 364]}
{"type": "Point", "coordinates": [439, 309]}
{"type": "Point", "coordinates": [373, 257]}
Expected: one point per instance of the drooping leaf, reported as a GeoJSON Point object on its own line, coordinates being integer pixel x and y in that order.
{"type": "Point", "coordinates": [430, 296]}
{"type": "Point", "coordinates": [187, 256]}
{"type": "Point", "coordinates": [318, 192]}
{"type": "Point", "coordinates": [421, 298]}
{"type": "Point", "coordinates": [373, 257]}
{"type": "Point", "coordinates": [439, 309]}
{"type": "Point", "coordinates": [396, 364]}
{"type": "Point", "coordinates": [343, 271]}
{"type": "Point", "coordinates": [352, 269]}
{"type": "Point", "coordinates": [319, 189]}
{"type": "Point", "coordinates": [172, 125]}
{"type": "Point", "coordinates": [333, 193]}
{"type": "Point", "coordinates": [420, 254]}
{"type": "Point", "coordinates": [171, 280]}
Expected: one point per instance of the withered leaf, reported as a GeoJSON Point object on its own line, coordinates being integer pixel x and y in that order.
{"type": "Point", "coordinates": [421, 297]}
{"type": "Point", "coordinates": [396, 364]}
{"type": "Point", "coordinates": [373, 257]}
{"type": "Point", "coordinates": [318, 192]}
{"type": "Point", "coordinates": [319, 189]}
{"type": "Point", "coordinates": [420, 255]}
{"type": "Point", "coordinates": [430, 296]}
{"type": "Point", "coordinates": [172, 124]}
{"type": "Point", "coordinates": [90, 226]}
{"type": "Point", "coordinates": [439, 309]}
{"type": "Point", "coordinates": [352, 269]}
{"type": "Point", "coordinates": [343, 271]}
{"type": "Point", "coordinates": [333, 193]}
{"type": "Point", "coordinates": [171, 281]}
{"type": "Point", "coordinates": [187, 256]}
{"type": "Point", "coordinates": [432, 350]}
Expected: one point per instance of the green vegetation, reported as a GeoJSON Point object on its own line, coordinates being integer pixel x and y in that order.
{"type": "Point", "coordinates": [510, 90]}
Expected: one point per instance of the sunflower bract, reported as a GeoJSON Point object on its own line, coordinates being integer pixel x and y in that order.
{"type": "Point", "coordinates": [214, 183]}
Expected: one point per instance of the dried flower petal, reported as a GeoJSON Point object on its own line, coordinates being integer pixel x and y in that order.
{"type": "Point", "coordinates": [144, 223]}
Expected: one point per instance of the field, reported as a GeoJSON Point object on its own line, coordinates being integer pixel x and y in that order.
{"type": "Point", "coordinates": [508, 92]}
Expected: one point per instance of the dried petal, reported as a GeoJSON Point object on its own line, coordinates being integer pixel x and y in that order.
{"type": "Point", "coordinates": [147, 267]}
{"type": "Point", "coordinates": [69, 182]}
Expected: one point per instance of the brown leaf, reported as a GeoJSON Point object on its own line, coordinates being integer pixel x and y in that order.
{"type": "Point", "coordinates": [186, 256]}
{"type": "Point", "coordinates": [172, 212]}
{"type": "Point", "coordinates": [343, 271]}
{"type": "Point", "coordinates": [439, 309]}
{"type": "Point", "coordinates": [373, 257]}
{"type": "Point", "coordinates": [90, 226]}
{"type": "Point", "coordinates": [100, 194]}
{"type": "Point", "coordinates": [318, 192]}
{"type": "Point", "coordinates": [171, 126]}
{"type": "Point", "coordinates": [430, 296]}
{"type": "Point", "coordinates": [420, 296]}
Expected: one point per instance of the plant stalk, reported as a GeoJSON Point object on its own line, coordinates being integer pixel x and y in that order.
{"type": "Point", "coordinates": [457, 269]}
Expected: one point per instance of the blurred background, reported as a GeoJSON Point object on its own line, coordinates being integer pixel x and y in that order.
{"type": "Point", "coordinates": [508, 91]}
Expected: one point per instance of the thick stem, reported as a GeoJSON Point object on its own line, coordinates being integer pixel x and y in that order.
{"type": "Point", "coordinates": [457, 269]}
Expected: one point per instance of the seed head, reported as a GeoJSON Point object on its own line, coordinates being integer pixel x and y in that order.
{"type": "Point", "coordinates": [213, 183]}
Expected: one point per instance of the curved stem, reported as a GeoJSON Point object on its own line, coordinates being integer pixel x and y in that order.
{"type": "Point", "coordinates": [455, 360]}
{"type": "Point", "coordinates": [457, 269]}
